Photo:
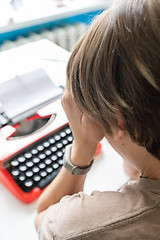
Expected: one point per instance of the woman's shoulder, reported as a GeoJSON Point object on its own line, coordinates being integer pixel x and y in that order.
{"type": "Point", "coordinates": [81, 213]}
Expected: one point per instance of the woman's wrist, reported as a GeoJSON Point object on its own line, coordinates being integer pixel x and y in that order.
{"type": "Point", "coordinates": [82, 154]}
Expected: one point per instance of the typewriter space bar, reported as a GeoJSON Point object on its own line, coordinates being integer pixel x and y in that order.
{"type": "Point", "coordinates": [45, 181]}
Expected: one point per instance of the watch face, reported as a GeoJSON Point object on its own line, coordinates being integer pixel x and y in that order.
{"type": "Point", "coordinates": [70, 167]}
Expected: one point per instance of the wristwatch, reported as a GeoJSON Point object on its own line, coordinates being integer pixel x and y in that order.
{"type": "Point", "coordinates": [69, 165]}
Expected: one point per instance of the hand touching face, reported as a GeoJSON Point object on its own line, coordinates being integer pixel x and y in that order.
{"type": "Point", "coordinates": [87, 133]}
{"type": "Point", "coordinates": [84, 128]}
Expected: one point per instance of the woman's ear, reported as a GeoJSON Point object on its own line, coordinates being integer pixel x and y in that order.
{"type": "Point", "coordinates": [120, 131]}
{"type": "Point", "coordinates": [119, 117]}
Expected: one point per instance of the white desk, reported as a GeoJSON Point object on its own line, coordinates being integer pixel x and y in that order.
{"type": "Point", "coordinates": [16, 218]}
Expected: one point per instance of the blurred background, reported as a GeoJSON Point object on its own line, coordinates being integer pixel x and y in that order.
{"type": "Point", "coordinates": [60, 21]}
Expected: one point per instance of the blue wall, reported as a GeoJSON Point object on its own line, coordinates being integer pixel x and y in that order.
{"type": "Point", "coordinates": [85, 18]}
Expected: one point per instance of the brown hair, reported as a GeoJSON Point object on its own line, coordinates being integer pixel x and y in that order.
{"type": "Point", "coordinates": [118, 61]}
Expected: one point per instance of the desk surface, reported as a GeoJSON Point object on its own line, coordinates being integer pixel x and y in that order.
{"type": "Point", "coordinates": [16, 218]}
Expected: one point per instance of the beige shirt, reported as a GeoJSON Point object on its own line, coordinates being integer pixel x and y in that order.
{"type": "Point", "coordinates": [131, 213]}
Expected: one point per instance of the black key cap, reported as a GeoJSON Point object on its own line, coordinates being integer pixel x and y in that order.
{"type": "Point", "coordinates": [63, 150]}
{"type": "Point", "coordinates": [22, 178]}
{"type": "Point", "coordinates": [29, 173]}
{"type": "Point", "coordinates": [70, 139]}
{"type": "Point", "coordinates": [29, 164]}
{"type": "Point", "coordinates": [35, 169]}
{"type": "Point", "coordinates": [42, 156]}
{"type": "Point", "coordinates": [59, 145]}
{"type": "Point", "coordinates": [28, 155]}
{"type": "Point", "coordinates": [68, 131]}
{"type": "Point", "coordinates": [51, 140]}
{"type": "Point", "coordinates": [28, 183]}
{"type": "Point", "coordinates": [48, 152]}
{"type": "Point", "coordinates": [36, 160]}
{"type": "Point", "coordinates": [40, 148]}
{"type": "Point", "coordinates": [21, 159]}
{"type": "Point", "coordinates": [54, 157]}
{"type": "Point", "coordinates": [60, 161]}
{"type": "Point", "coordinates": [42, 165]}
{"type": "Point", "coordinates": [63, 134]}
{"type": "Point", "coordinates": [34, 151]}
{"type": "Point", "coordinates": [48, 161]}
{"type": "Point", "coordinates": [57, 137]}
{"type": "Point", "coordinates": [15, 173]}
{"type": "Point", "coordinates": [55, 165]}
{"type": "Point", "coordinates": [46, 144]}
{"type": "Point", "coordinates": [36, 178]}
{"type": "Point", "coordinates": [23, 168]}
{"type": "Point", "coordinates": [49, 169]}
{"type": "Point", "coordinates": [59, 154]}
{"type": "Point", "coordinates": [43, 174]}
{"type": "Point", "coordinates": [64, 142]}
{"type": "Point", "coordinates": [53, 149]}
{"type": "Point", "coordinates": [14, 163]}
{"type": "Point", "coordinates": [44, 182]}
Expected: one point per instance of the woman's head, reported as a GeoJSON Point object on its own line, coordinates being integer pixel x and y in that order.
{"type": "Point", "coordinates": [116, 64]}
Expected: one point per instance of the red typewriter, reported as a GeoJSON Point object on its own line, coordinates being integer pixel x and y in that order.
{"type": "Point", "coordinates": [33, 134]}
{"type": "Point", "coordinates": [29, 163]}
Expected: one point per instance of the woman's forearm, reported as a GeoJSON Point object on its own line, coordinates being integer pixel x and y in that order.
{"type": "Point", "coordinates": [64, 184]}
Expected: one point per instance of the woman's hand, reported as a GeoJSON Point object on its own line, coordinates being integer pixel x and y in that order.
{"type": "Point", "coordinates": [87, 133]}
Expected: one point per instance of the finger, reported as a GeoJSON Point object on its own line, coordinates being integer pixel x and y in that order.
{"type": "Point", "coordinates": [72, 112]}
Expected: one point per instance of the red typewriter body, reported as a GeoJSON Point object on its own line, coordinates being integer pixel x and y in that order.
{"type": "Point", "coordinates": [13, 148]}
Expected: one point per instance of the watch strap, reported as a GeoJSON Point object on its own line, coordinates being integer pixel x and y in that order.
{"type": "Point", "coordinates": [76, 170]}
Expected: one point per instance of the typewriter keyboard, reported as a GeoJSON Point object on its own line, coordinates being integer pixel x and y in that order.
{"type": "Point", "coordinates": [39, 164]}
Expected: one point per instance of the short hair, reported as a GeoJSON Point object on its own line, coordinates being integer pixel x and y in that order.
{"type": "Point", "coordinates": [118, 62]}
